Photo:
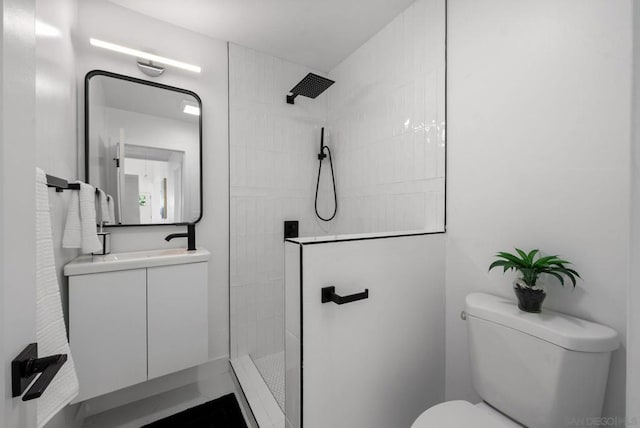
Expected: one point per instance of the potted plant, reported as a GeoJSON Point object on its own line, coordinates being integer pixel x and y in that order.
{"type": "Point", "coordinates": [530, 266]}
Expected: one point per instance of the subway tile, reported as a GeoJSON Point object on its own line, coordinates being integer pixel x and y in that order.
{"type": "Point", "coordinates": [385, 129]}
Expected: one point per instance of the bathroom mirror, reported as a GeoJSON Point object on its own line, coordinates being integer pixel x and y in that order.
{"type": "Point", "coordinates": [143, 147]}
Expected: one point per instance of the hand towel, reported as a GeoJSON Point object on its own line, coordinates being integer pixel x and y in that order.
{"type": "Point", "coordinates": [51, 333]}
{"type": "Point", "coordinates": [80, 228]}
{"type": "Point", "coordinates": [103, 203]}
{"type": "Point", "coordinates": [112, 209]}
{"type": "Point", "coordinates": [90, 241]}
{"type": "Point", "coordinates": [72, 237]}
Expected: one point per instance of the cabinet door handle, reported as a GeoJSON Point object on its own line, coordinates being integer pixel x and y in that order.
{"type": "Point", "coordinates": [329, 295]}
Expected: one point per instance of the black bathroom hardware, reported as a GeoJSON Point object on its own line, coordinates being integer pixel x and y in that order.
{"type": "Point", "coordinates": [290, 229]}
{"type": "Point", "coordinates": [60, 184]}
{"type": "Point", "coordinates": [26, 366]}
{"type": "Point", "coordinates": [105, 243]}
{"type": "Point", "coordinates": [190, 235]}
{"type": "Point", "coordinates": [321, 157]}
{"type": "Point", "coordinates": [311, 86]}
{"type": "Point", "coordinates": [329, 295]}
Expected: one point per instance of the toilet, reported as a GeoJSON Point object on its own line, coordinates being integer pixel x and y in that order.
{"type": "Point", "coordinates": [546, 370]}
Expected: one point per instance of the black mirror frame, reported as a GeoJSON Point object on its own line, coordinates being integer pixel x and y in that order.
{"type": "Point", "coordinates": [93, 73]}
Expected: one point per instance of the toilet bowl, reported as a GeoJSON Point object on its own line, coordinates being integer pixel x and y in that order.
{"type": "Point", "coordinates": [530, 367]}
{"type": "Point", "coordinates": [462, 414]}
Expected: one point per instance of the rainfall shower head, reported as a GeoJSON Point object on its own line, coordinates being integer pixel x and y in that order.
{"type": "Point", "coordinates": [311, 86]}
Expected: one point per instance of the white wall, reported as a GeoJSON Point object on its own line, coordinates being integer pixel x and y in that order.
{"type": "Point", "coordinates": [386, 117]}
{"type": "Point", "coordinates": [17, 206]}
{"type": "Point", "coordinates": [633, 368]}
{"type": "Point", "coordinates": [56, 125]}
{"type": "Point", "coordinates": [538, 138]}
{"type": "Point", "coordinates": [56, 113]}
{"type": "Point", "coordinates": [273, 176]}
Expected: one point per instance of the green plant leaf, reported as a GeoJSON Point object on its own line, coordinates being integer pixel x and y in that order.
{"type": "Point", "coordinates": [512, 258]}
{"type": "Point", "coordinates": [573, 272]}
{"type": "Point", "coordinates": [560, 262]}
{"type": "Point", "coordinates": [545, 261]}
{"type": "Point", "coordinates": [531, 268]}
{"type": "Point", "coordinates": [560, 278]}
{"type": "Point", "coordinates": [505, 263]}
{"type": "Point", "coordinates": [567, 274]}
{"type": "Point", "coordinates": [524, 256]}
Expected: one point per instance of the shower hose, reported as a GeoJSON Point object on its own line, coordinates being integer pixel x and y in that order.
{"type": "Point", "coordinates": [321, 156]}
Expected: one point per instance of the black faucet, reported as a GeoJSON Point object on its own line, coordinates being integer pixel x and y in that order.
{"type": "Point", "coordinates": [190, 235]}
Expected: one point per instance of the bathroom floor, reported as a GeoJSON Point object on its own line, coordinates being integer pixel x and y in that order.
{"type": "Point", "coordinates": [271, 368]}
{"type": "Point", "coordinates": [151, 409]}
{"type": "Point", "coordinates": [223, 412]}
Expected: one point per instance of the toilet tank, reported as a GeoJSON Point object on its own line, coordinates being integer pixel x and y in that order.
{"type": "Point", "coordinates": [546, 370]}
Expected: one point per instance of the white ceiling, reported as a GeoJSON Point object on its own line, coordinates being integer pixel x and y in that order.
{"type": "Point", "coordinates": [315, 33]}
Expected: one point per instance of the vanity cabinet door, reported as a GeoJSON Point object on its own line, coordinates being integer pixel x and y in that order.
{"type": "Point", "coordinates": [108, 330]}
{"type": "Point", "coordinates": [178, 335]}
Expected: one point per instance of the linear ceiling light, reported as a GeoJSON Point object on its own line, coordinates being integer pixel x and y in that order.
{"type": "Point", "coordinates": [145, 55]}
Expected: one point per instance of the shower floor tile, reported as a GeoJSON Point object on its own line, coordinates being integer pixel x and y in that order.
{"type": "Point", "coordinates": [271, 367]}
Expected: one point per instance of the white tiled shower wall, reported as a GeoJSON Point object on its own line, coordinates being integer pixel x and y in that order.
{"type": "Point", "coordinates": [386, 132]}
{"type": "Point", "coordinates": [273, 166]}
{"type": "Point", "coordinates": [387, 121]}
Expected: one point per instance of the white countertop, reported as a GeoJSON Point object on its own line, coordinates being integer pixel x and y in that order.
{"type": "Point", "coordinates": [135, 260]}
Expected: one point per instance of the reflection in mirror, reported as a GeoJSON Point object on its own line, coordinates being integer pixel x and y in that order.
{"type": "Point", "coordinates": [143, 147]}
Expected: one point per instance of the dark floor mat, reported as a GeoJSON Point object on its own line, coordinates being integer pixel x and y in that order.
{"type": "Point", "coordinates": [223, 412]}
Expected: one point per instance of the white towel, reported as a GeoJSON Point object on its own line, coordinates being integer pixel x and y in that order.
{"type": "Point", "coordinates": [80, 229]}
{"type": "Point", "coordinates": [112, 209]}
{"type": "Point", "coordinates": [72, 237]}
{"type": "Point", "coordinates": [51, 333]}
{"type": "Point", "coordinates": [103, 203]}
{"type": "Point", "coordinates": [90, 241]}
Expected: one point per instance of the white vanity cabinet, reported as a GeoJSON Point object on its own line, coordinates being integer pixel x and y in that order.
{"type": "Point", "coordinates": [108, 330]}
{"type": "Point", "coordinates": [178, 320]}
{"type": "Point", "coordinates": [130, 322]}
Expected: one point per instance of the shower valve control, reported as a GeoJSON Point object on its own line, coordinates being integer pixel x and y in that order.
{"type": "Point", "coordinates": [290, 229]}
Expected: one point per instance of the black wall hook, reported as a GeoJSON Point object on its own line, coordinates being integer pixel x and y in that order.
{"type": "Point", "coordinates": [26, 366]}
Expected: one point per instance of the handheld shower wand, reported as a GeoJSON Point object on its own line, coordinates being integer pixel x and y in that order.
{"type": "Point", "coordinates": [321, 157]}
{"type": "Point", "coordinates": [321, 154]}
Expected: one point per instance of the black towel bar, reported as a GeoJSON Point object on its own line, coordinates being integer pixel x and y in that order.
{"type": "Point", "coordinates": [60, 184]}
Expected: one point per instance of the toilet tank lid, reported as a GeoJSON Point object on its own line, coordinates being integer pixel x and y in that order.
{"type": "Point", "coordinates": [562, 330]}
